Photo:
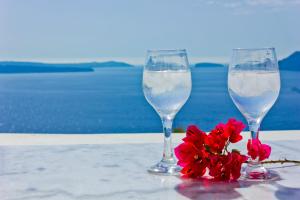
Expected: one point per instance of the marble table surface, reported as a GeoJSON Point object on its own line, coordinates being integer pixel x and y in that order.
{"type": "Point", "coordinates": [93, 167]}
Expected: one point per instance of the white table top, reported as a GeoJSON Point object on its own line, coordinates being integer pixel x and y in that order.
{"type": "Point", "coordinates": [88, 167]}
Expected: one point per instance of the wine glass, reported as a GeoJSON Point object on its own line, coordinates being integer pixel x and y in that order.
{"type": "Point", "coordinates": [253, 85]}
{"type": "Point", "coordinates": [167, 86]}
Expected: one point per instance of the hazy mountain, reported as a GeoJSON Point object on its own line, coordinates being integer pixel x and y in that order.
{"type": "Point", "coordinates": [24, 67]}
{"type": "Point", "coordinates": [37, 67]}
{"type": "Point", "coordinates": [291, 63]}
{"type": "Point", "coordinates": [208, 65]}
{"type": "Point", "coordinates": [107, 64]}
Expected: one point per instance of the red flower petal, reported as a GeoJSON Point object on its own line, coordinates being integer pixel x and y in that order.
{"type": "Point", "coordinates": [217, 139]}
{"type": "Point", "coordinates": [264, 152]}
{"type": "Point", "coordinates": [192, 130]}
{"type": "Point", "coordinates": [201, 151]}
{"type": "Point", "coordinates": [257, 149]}
{"type": "Point", "coordinates": [215, 143]}
{"type": "Point", "coordinates": [253, 148]}
{"type": "Point", "coordinates": [237, 161]}
{"type": "Point", "coordinates": [185, 153]}
{"type": "Point", "coordinates": [195, 136]}
{"type": "Point", "coordinates": [234, 129]}
{"type": "Point", "coordinates": [194, 170]}
{"type": "Point", "coordinates": [221, 169]}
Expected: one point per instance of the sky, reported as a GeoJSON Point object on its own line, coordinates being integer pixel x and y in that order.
{"type": "Point", "coordinates": [98, 30]}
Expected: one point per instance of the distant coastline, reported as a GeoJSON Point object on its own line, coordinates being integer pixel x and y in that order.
{"type": "Point", "coordinates": [9, 67]}
{"type": "Point", "coordinates": [291, 63]}
{"type": "Point", "coordinates": [208, 64]}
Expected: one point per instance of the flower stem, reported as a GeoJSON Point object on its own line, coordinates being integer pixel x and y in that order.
{"type": "Point", "coordinates": [279, 161]}
{"type": "Point", "coordinates": [225, 149]}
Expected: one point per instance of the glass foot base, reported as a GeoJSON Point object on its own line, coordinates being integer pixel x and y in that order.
{"type": "Point", "coordinates": [165, 168]}
{"type": "Point", "coordinates": [256, 172]}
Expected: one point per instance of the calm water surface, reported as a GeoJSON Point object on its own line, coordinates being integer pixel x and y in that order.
{"type": "Point", "coordinates": [112, 101]}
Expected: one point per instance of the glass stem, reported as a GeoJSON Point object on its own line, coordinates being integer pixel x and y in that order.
{"type": "Point", "coordinates": [168, 149]}
{"type": "Point", "coordinates": [254, 129]}
{"type": "Point", "coordinates": [254, 169]}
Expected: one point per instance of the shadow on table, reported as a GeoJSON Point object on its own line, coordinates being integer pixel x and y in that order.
{"type": "Point", "coordinates": [289, 193]}
{"type": "Point", "coordinates": [283, 192]}
{"type": "Point", "coordinates": [210, 189]}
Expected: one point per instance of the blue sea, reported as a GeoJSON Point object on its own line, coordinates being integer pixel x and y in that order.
{"type": "Point", "coordinates": [110, 100]}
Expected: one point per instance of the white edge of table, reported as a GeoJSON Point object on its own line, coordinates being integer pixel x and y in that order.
{"type": "Point", "coordinates": [120, 138]}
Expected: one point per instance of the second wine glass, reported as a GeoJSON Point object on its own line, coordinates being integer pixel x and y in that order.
{"type": "Point", "coordinates": [167, 86]}
{"type": "Point", "coordinates": [253, 85]}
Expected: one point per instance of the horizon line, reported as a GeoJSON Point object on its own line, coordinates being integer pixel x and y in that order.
{"type": "Point", "coordinates": [129, 60]}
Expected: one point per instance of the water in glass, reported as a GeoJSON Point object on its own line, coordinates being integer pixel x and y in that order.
{"type": "Point", "coordinates": [167, 86]}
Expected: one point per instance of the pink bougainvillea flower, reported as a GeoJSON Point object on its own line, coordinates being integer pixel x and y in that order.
{"type": "Point", "coordinates": [217, 167]}
{"type": "Point", "coordinates": [191, 154]}
{"type": "Point", "coordinates": [236, 165]}
{"type": "Point", "coordinates": [195, 169]}
{"type": "Point", "coordinates": [200, 152]}
{"type": "Point", "coordinates": [186, 153]}
{"type": "Point", "coordinates": [234, 129]}
{"type": "Point", "coordinates": [258, 150]}
{"type": "Point", "coordinates": [227, 167]}
{"type": "Point", "coordinates": [217, 139]}
{"type": "Point", "coordinates": [253, 148]}
{"type": "Point", "coordinates": [195, 136]}
{"type": "Point", "coordinates": [264, 152]}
